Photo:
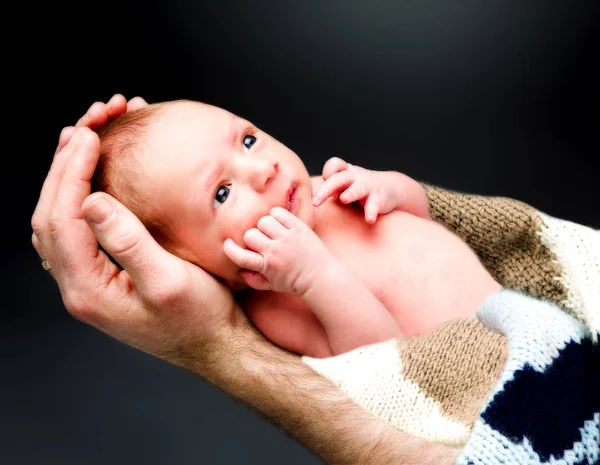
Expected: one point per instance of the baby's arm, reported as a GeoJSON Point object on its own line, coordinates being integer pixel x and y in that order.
{"type": "Point", "coordinates": [351, 315]}
{"type": "Point", "coordinates": [379, 192]}
{"type": "Point", "coordinates": [285, 255]}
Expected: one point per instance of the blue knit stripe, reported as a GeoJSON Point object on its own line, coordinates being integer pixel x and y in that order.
{"type": "Point", "coordinates": [549, 408]}
{"type": "Point", "coordinates": [546, 405]}
{"type": "Point", "coordinates": [488, 447]}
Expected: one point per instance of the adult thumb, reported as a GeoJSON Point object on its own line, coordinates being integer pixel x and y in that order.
{"type": "Point", "coordinates": [124, 237]}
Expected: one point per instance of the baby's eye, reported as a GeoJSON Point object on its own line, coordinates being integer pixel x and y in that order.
{"type": "Point", "coordinates": [221, 196]}
{"type": "Point", "coordinates": [249, 142]}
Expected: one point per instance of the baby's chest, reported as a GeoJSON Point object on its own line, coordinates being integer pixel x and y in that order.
{"type": "Point", "coordinates": [373, 252]}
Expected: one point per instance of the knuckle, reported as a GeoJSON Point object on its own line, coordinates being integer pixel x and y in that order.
{"type": "Point", "coordinates": [126, 243]}
{"type": "Point", "coordinates": [276, 258]}
{"type": "Point", "coordinates": [171, 293]}
{"type": "Point", "coordinates": [36, 243]}
{"type": "Point", "coordinates": [77, 306]}
{"type": "Point", "coordinates": [54, 228]}
{"type": "Point", "coordinates": [163, 297]}
{"type": "Point", "coordinates": [36, 226]}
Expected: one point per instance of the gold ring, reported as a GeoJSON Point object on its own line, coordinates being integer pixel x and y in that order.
{"type": "Point", "coordinates": [46, 265]}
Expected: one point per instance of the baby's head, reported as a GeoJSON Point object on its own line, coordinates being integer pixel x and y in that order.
{"type": "Point", "coordinates": [196, 174]}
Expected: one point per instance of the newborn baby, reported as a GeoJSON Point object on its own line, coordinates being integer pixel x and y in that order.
{"type": "Point", "coordinates": [321, 264]}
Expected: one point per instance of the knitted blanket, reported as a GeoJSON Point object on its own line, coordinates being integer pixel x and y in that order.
{"type": "Point", "coordinates": [518, 383]}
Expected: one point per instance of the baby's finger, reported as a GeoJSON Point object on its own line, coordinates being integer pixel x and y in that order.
{"type": "Point", "coordinates": [332, 166]}
{"type": "Point", "coordinates": [355, 192]}
{"type": "Point", "coordinates": [271, 227]}
{"type": "Point", "coordinates": [337, 182]}
{"type": "Point", "coordinates": [371, 209]}
{"type": "Point", "coordinates": [242, 257]}
{"type": "Point", "coordinates": [255, 280]}
{"type": "Point", "coordinates": [286, 218]}
{"type": "Point", "coordinates": [256, 240]}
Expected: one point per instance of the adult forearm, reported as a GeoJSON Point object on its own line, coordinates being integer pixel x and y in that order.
{"type": "Point", "coordinates": [289, 393]}
{"type": "Point", "coordinates": [350, 314]}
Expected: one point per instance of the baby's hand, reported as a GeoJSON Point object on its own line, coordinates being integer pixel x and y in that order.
{"type": "Point", "coordinates": [285, 254]}
{"type": "Point", "coordinates": [376, 191]}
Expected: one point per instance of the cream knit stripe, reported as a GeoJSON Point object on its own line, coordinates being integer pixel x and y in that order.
{"type": "Point", "coordinates": [537, 330]}
{"type": "Point", "coordinates": [577, 249]}
{"type": "Point", "coordinates": [372, 377]}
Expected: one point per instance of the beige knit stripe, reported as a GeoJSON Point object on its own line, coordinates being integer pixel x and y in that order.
{"type": "Point", "coordinates": [457, 366]}
{"type": "Point", "coordinates": [372, 377]}
{"type": "Point", "coordinates": [505, 235]}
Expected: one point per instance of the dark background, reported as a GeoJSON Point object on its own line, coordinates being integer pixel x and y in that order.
{"type": "Point", "coordinates": [495, 98]}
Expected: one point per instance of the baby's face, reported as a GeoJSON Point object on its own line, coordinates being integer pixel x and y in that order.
{"type": "Point", "coordinates": [213, 175]}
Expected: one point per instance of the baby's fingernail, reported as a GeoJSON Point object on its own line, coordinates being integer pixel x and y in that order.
{"type": "Point", "coordinates": [316, 199]}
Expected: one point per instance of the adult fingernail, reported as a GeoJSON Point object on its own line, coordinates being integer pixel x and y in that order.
{"type": "Point", "coordinates": [78, 137]}
{"type": "Point", "coordinates": [99, 211]}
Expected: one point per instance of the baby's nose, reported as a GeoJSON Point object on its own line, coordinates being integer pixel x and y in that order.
{"type": "Point", "coordinates": [262, 172]}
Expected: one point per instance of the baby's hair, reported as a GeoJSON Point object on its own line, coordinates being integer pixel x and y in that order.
{"type": "Point", "coordinates": [121, 159]}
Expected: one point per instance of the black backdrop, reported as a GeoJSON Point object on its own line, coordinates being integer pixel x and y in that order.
{"type": "Point", "coordinates": [495, 98]}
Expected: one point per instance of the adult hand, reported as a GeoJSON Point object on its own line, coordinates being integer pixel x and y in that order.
{"type": "Point", "coordinates": [100, 114]}
{"type": "Point", "coordinates": [157, 303]}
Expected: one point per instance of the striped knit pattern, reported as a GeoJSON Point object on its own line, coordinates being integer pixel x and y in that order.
{"type": "Point", "coordinates": [546, 405]}
{"type": "Point", "coordinates": [521, 382]}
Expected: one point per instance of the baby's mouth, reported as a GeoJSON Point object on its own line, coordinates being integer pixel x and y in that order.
{"type": "Point", "coordinates": [291, 205]}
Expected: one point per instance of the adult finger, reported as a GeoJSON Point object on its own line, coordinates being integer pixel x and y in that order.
{"type": "Point", "coordinates": [242, 257]}
{"type": "Point", "coordinates": [116, 106]}
{"type": "Point", "coordinates": [67, 227]}
{"type": "Point", "coordinates": [65, 136]}
{"type": "Point", "coordinates": [96, 116]}
{"type": "Point", "coordinates": [136, 103]}
{"type": "Point", "coordinates": [332, 166]}
{"type": "Point", "coordinates": [337, 182]}
{"type": "Point", "coordinates": [40, 220]}
{"type": "Point", "coordinates": [124, 237]}
{"type": "Point", "coordinates": [271, 227]}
